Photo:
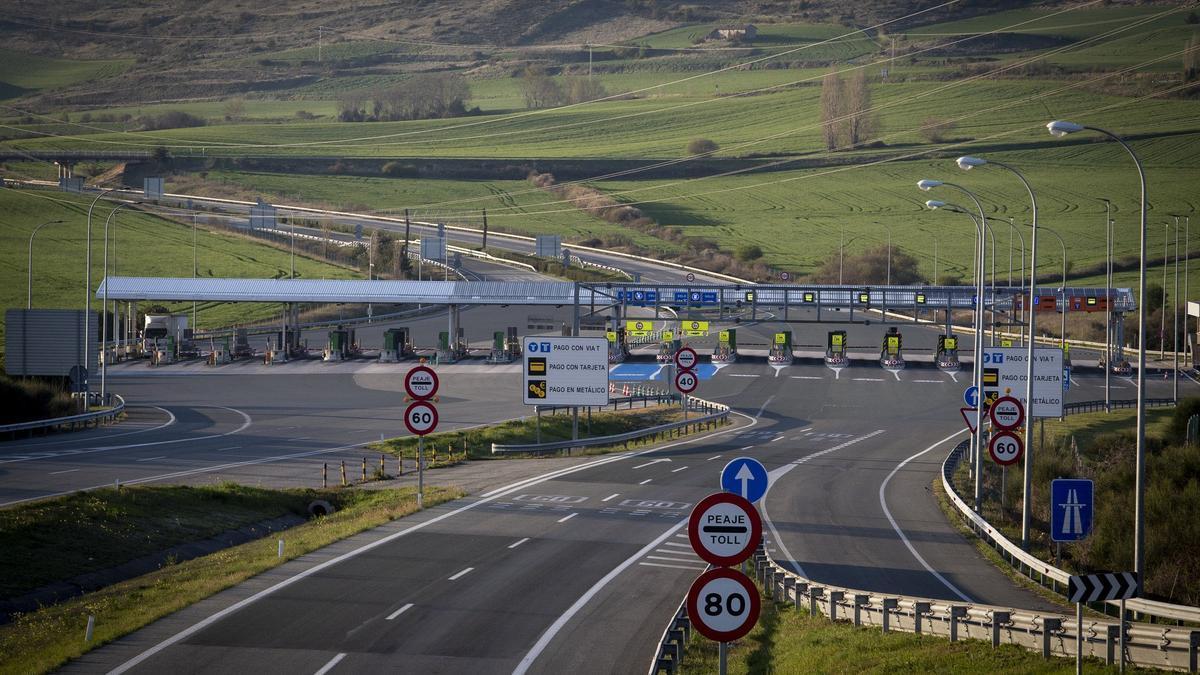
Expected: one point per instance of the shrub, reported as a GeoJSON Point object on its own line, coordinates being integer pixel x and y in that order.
{"type": "Point", "coordinates": [748, 252]}
{"type": "Point", "coordinates": [701, 146]}
{"type": "Point", "coordinates": [935, 129]}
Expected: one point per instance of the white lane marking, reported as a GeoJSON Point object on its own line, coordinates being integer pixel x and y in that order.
{"type": "Point", "coordinates": [329, 666]}
{"type": "Point", "coordinates": [461, 574]}
{"type": "Point", "coordinates": [678, 560]}
{"type": "Point", "coordinates": [232, 447]}
{"type": "Point", "coordinates": [953, 376]}
{"type": "Point", "coordinates": [676, 543]}
{"type": "Point", "coordinates": [778, 369]}
{"type": "Point", "coordinates": [150, 459]}
{"type": "Point", "coordinates": [370, 546]}
{"type": "Point", "coordinates": [645, 481]}
{"type": "Point", "coordinates": [302, 438]}
{"type": "Point", "coordinates": [678, 470]}
{"type": "Point", "coordinates": [763, 407]}
{"type": "Point", "coordinates": [612, 496]}
{"type": "Point", "coordinates": [584, 599]}
{"type": "Point", "coordinates": [742, 375]}
{"type": "Point", "coordinates": [518, 542]}
{"type": "Point", "coordinates": [912, 549]}
{"type": "Point", "coordinates": [399, 612]}
{"type": "Point", "coordinates": [805, 429]}
{"type": "Point", "coordinates": [748, 447]}
{"type": "Point", "coordinates": [712, 458]}
{"type": "Point", "coordinates": [930, 381]}
{"type": "Point", "coordinates": [775, 474]}
{"type": "Point", "coordinates": [568, 517]}
{"type": "Point", "coordinates": [867, 379]}
{"type": "Point", "coordinates": [806, 377]}
{"type": "Point", "coordinates": [777, 438]}
{"type": "Point", "coordinates": [169, 422]}
{"type": "Point", "coordinates": [656, 461]}
{"type": "Point", "coordinates": [671, 566]}
{"type": "Point", "coordinates": [897, 374]}
{"type": "Point", "coordinates": [55, 473]}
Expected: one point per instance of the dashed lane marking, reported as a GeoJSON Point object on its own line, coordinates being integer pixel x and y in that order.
{"type": "Point", "coordinates": [518, 542]}
{"type": "Point", "coordinates": [329, 666]}
{"type": "Point", "coordinates": [399, 611]}
{"type": "Point", "coordinates": [461, 574]}
{"type": "Point", "coordinates": [678, 470]}
{"type": "Point", "coordinates": [568, 517]}
{"type": "Point", "coordinates": [712, 458]}
{"type": "Point", "coordinates": [645, 481]}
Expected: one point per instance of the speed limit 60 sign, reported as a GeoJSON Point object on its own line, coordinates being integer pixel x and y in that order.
{"type": "Point", "coordinates": [723, 604]}
{"type": "Point", "coordinates": [421, 418]}
{"type": "Point", "coordinates": [1006, 448]}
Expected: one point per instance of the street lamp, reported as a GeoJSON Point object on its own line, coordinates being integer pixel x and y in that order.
{"type": "Point", "coordinates": [977, 352]}
{"type": "Point", "coordinates": [87, 290]}
{"type": "Point", "coordinates": [966, 163]}
{"type": "Point", "coordinates": [104, 304]}
{"type": "Point", "coordinates": [29, 267]}
{"type": "Point", "coordinates": [1060, 128]}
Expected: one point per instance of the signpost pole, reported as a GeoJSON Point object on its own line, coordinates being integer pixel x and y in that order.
{"type": "Point", "coordinates": [420, 472]}
{"type": "Point", "coordinates": [723, 652]}
{"type": "Point", "coordinates": [1079, 638]}
{"type": "Point", "coordinates": [1121, 658]}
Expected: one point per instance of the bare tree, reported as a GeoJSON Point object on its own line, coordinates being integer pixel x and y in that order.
{"type": "Point", "coordinates": [1191, 59]}
{"type": "Point", "coordinates": [539, 89]}
{"type": "Point", "coordinates": [580, 89]}
{"type": "Point", "coordinates": [832, 106]}
{"type": "Point", "coordinates": [860, 122]}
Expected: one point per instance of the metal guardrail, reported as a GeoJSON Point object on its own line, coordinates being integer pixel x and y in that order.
{"type": "Point", "coordinates": [721, 413]}
{"type": "Point", "coordinates": [1039, 570]}
{"type": "Point", "coordinates": [672, 643]}
{"type": "Point", "coordinates": [72, 420]}
{"type": "Point", "coordinates": [1097, 406]}
{"type": "Point", "coordinates": [1052, 634]}
{"type": "Point", "coordinates": [607, 268]}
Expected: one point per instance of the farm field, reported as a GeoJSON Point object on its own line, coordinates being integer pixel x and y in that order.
{"type": "Point", "coordinates": [29, 71]}
{"type": "Point", "coordinates": [140, 245]}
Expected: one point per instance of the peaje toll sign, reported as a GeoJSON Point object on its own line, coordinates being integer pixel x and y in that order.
{"type": "Point", "coordinates": [686, 357]}
{"type": "Point", "coordinates": [1007, 413]}
{"type": "Point", "coordinates": [421, 383]}
{"type": "Point", "coordinates": [724, 529]}
{"type": "Point", "coordinates": [723, 604]}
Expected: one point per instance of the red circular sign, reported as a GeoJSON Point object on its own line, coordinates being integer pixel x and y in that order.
{"type": "Point", "coordinates": [421, 418]}
{"type": "Point", "coordinates": [421, 383]}
{"type": "Point", "coordinates": [724, 529]}
{"type": "Point", "coordinates": [1006, 413]}
{"type": "Point", "coordinates": [686, 381]}
{"type": "Point", "coordinates": [723, 604]}
{"type": "Point", "coordinates": [1006, 448]}
{"type": "Point", "coordinates": [686, 358]}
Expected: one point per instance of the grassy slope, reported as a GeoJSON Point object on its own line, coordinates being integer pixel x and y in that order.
{"type": "Point", "coordinates": [38, 72]}
{"type": "Point", "coordinates": [145, 246]}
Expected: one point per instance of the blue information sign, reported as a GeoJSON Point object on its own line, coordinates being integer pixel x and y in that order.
{"type": "Point", "coordinates": [971, 396]}
{"type": "Point", "coordinates": [746, 477]}
{"type": "Point", "coordinates": [1071, 509]}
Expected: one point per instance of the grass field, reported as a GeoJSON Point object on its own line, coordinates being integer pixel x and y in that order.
{"type": "Point", "coordinates": [29, 71]}
{"type": "Point", "coordinates": [144, 246]}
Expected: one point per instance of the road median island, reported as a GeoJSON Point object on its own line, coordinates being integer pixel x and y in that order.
{"type": "Point", "coordinates": [453, 447]}
{"type": "Point", "coordinates": [61, 538]}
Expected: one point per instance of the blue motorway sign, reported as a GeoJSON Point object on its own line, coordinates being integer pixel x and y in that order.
{"type": "Point", "coordinates": [746, 477]}
{"type": "Point", "coordinates": [695, 298]}
{"type": "Point", "coordinates": [638, 297]}
{"type": "Point", "coordinates": [971, 396]}
{"type": "Point", "coordinates": [1071, 507]}
{"type": "Point", "coordinates": [1067, 378]}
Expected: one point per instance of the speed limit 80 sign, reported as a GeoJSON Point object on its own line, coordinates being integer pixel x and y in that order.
{"type": "Point", "coordinates": [723, 604]}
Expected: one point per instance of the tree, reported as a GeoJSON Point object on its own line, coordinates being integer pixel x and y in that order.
{"type": "Point", "coordinates": [860, 121]}
{"type": "Point", "coordinates": [351, 107]}
{"type": "Point", "coordinates": [580, 89]}
{"type": "Point", "coordinates": [870, 267]}
{"type": "Point", "coordinates": [539, 89]}
{"type": "Point", "coordinates": [748, 252]}
{"type": "Point", "coordinates": [1191, 60]}
{"type": "Point", "coordinates": [235, 109]}
{"type": "Point", "coordinates": [832, 105]}
{"type": "Point", "coordinates": [701, 146]}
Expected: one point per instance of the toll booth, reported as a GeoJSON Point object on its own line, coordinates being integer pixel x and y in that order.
{"type": "Point", "coordinates": [451, 351]}
{"type": "Point", "coordinates": [1119, 364]}
{"type": "Point", "coordinates": [162, 350]}
{"type": "Point", "coordinates": [947, 354]}
{"type": "Point", "coordinates": [835, 350]}
{"type": "Point", "coordinates": [667, 347]}
{"type": "Point", "coordinates": [506, 347]}
{"type": "Point", "coordinates": [891, 353]}
{"type": "Point", "coordinates": [618, 350]}
{"type": "Point", "coordinates": [396, 345]}
{"type": "Point", "coordinates": [339, 345]}
{"type": "Point", "coordinates": [781, 349]}
{"type": "Point", "coordinates": [219, 354]}
{"type": "Point", "coordinates": [726, 351]}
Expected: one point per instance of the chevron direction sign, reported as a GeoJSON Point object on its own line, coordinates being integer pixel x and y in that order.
{"type": "Point", "coordinates": [1099, 587]}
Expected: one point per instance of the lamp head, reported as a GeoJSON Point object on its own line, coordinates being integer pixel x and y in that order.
{"type": "Point", "coordinates": [966, 162]}
{"type": "Point", "coordinates": [928, 184]}
{"type": "Point", "coordinates": [1061, 128]}
{"type": "Point", "coordinates": [934, 204]}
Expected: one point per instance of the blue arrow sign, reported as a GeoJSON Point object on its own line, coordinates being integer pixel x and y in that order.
{"type": "Point", "coordinates": [1071, 506]}
{"type": "Point", "coordinates": [746, 477]}
{"type": "Point", "coordinates": [971, 396]}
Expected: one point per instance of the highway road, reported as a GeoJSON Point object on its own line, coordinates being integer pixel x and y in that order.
{"type": "Point", "coordinates": [574, 571]}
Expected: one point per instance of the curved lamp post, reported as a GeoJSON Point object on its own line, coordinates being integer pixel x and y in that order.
{"type": "Point", "coordinates": [1060, 128]}
{"type": "Point", "coordinates": [29, 267]}
{"type": "Point", "coordinates": [928, 185]}
{"type": "Point", "coordinates": [104, 304]}
{"type": "Point", "coordinates": [87, 287]}
{"type": "Point", "coordinates": [967, 163]}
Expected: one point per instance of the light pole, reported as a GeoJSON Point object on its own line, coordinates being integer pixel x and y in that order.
{"type": "Point", "coordinates": [1061, 128]}
{"type": "Point", "coordinates": [1175, 322]}
{"type": "Point", "coordinates": [928, 185]}
{"type": "Point", "coordinates": [29, 267]}
{"type": "Point", "coordinates": [104, 305]}
{"type": "Point", "coordinates": [1162, 318]}
{"type": "Point", "coordinates": [1108, 249]}
{"type": "Point", "coordinates": [1062, 340]}
{"type": "Point", "coordinates": [87, 293]}
{"type": "Point", "coordinates": [194, 266]}
{"type": "Point", "coordinates": [966, 163]}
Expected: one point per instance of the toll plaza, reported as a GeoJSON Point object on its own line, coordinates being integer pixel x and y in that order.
{"type": "Point", "coordinates": [780, 352]}
{"type": "Point", "coordinates": [891, 354]}
{"type": "Point", "coordinates": [947, 354]}
{"type": "Point", "coordinates": [726, 350]}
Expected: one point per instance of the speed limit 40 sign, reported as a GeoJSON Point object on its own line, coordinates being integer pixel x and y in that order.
{"type": "Point", "coordinates": [686, 381]}
{"type": "Point", "coordinates": [723, 604]}
{"type": "Point", "coordinates": [421, 418]}
{"type": "Point", "coordinates": [1005, 448]}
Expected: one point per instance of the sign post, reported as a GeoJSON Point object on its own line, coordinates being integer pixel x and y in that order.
{"type": "Point", "coordinates": [421, 417]}
{"type": "Point", "coordinates": [1099, 588]}
{"type": "Point", "coordinates": [686, 380]}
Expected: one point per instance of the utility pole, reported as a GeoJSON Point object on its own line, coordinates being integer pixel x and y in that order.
{"type": "Point", "coordinates": [320, 39]}
{"type": "Point", "coordinates": [485, 228]}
